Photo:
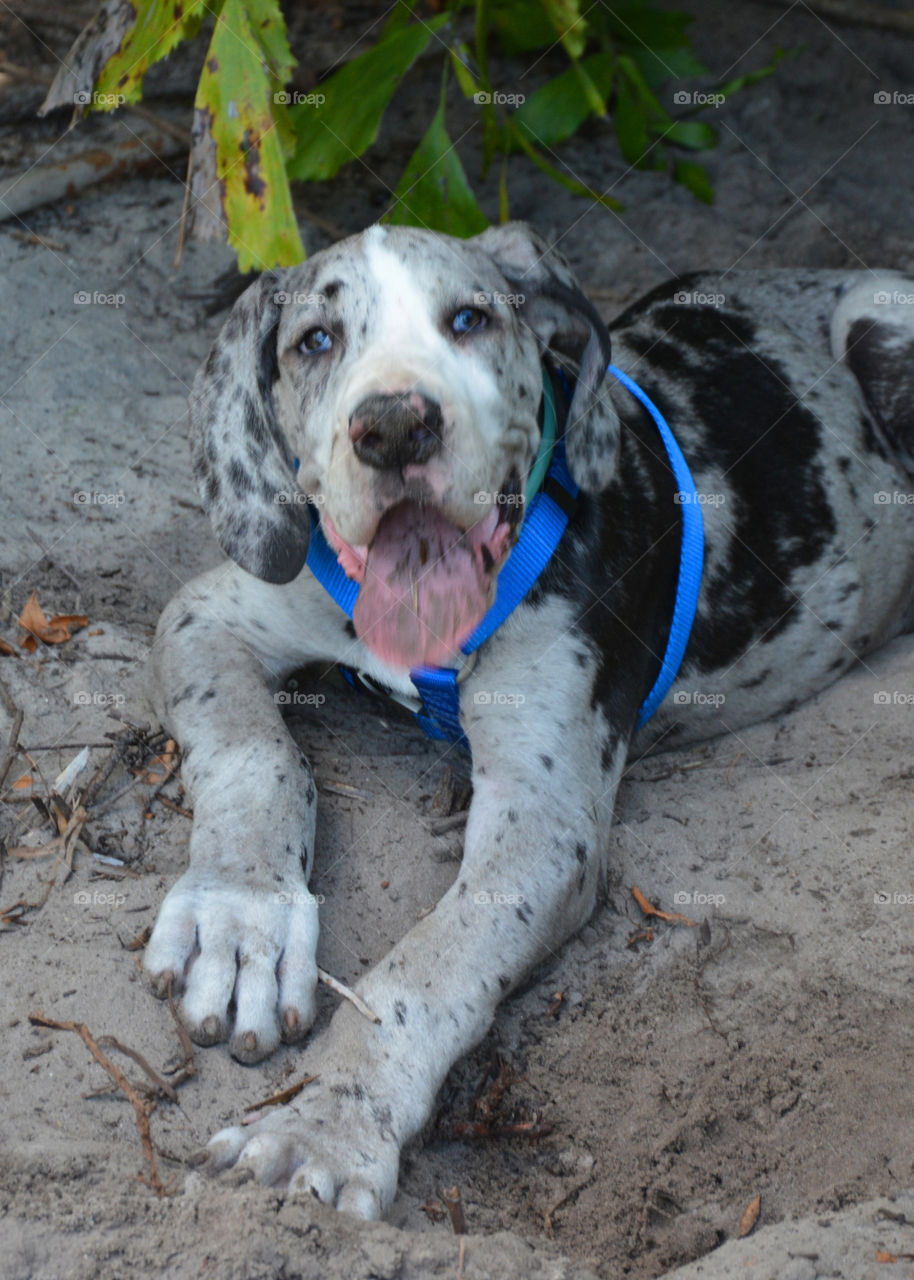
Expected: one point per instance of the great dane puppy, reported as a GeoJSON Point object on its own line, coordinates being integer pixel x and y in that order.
{"type": "Point", "coordinates": [392, 388]}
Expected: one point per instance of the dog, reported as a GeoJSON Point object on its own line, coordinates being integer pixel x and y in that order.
{"type": "Point", "coordinates": [388, 397]}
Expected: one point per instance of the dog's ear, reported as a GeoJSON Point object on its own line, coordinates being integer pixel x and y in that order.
{"type": "Point", "coordinates": [567, 323]}
{"type": "Point", "coordinates": [242, 461]}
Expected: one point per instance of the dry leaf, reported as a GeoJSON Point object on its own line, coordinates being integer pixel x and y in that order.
{"type": "Point", "coordinates": [650, 910]}
{"type": "Point", "coordinates": [7, 648]}
{"type": "Point", "coordinates": [883, 1256]}
{"type": "Point", "coordinates": [750, 1217]}
{"type": "Point", "coordinates": [38, 626]}
{"type": "Point", "coordinates": [25, 781]}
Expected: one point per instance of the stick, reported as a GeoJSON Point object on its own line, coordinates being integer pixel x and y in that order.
{"type": "Point", "coordinates": [141, 1109]}
{"type": "Point", "coordinates": [46, 183]}
{"type": "Point", "coordinates": [454, 1206]}
{"type": "Point", "coordinates": [12, 746]}
{"type": "Point", "coordinates": [347, 994]}
{"type": "Point", "coordinates": [442, 825]}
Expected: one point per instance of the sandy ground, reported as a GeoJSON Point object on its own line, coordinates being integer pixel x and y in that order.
{"type": "Point", "coordinates": [767, 1053]}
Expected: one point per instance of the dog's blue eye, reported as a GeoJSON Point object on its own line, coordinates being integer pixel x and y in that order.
{"type": "Point", "coordinates": [316, 340]}
{"type": "Point", "coordinates": [467, 319]}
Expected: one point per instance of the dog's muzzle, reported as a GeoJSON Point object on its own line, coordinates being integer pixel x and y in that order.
{"type": "Point", "coordinates": [396, 431]}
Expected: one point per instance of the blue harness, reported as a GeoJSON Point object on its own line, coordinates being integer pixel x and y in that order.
{"type": "Point", "coordinates": [550, 502]}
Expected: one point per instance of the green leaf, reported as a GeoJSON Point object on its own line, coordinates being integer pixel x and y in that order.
{"type": "Point", "coordinates": [563, 179]}
{"type": "Point", "coordinates": [659, 65]}
{"type": "Point", "coordinates": [235, 97]}
{"type": "Point", "coordinates": [693, 134]}
{"type": "Point", "coordinates": [434, 191]}
{"type": "Point", "coordinates": [595, 99]}
{"type": "Point", "coordinates": [568, 24]}
{"type": "Point", "coordinates": [269, 26]}
{"type": "Point", "coordinates": [160, 26]}
{"type": "Point", "coordinates": [738, 83]}
{"type": "Point", "coordinates": [460, 61]}
{"type": "Point", "coordinates": [631, 125]}
{"type": "Point", "coordinates": [695, 178]}
{"type": "Point", "coordinates": [560, 107]}
{"type": "Point", "coordinates": [639, 27]}
{"type": "Point", "coordinates": [521, 26]}
{"type": "Point", "coordinates": [346, 124]}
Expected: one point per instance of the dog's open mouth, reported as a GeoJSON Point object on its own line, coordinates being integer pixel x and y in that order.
{"type": "Point", "coordinates": [425, 583]}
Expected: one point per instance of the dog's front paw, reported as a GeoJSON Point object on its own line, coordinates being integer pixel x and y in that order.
{"type": "Point", "coordinates": [246, 948]}
{"type": "Point", "coordinates": [335, 1140]}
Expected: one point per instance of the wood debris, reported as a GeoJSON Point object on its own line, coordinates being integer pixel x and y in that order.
{"type": "Point", "coordinates": [674, 917]}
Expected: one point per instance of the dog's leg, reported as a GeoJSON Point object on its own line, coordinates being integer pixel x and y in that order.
{"type": "Point", "coordinates": [543, 786]}
{"type": "Point", "coordinates": [239, 924]}
{"type": "Point", "coordinates": [873, 331]}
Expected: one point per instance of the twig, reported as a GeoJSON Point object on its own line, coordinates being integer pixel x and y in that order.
{"type": "Point", "coordinates": [533, 1129]}
{"type": "Point", "coordinates": [454, 1206]}
{"type": "Point", "coordinates": [284, 1095]}
{"type": "Point", "coordinates": [342, 990]}
{"type": "Point", "coordinates": [188, 1067]}
{"type": "Point", "coordinates": [166, 1089]}
{"type": "Point", "coordinates": [12, 746]}
{"type": "Point", "coordinates": [45, 183]}
{"type": "Point", "coordinates": [441, 826]}
{"type": "Point", "coordinates": [176, 808]}
{"type": "Point", "coordinates": [141, 1109]}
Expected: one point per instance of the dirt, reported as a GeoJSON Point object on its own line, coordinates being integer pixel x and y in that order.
{"type": "Point", "coordinates": [670, 1073]}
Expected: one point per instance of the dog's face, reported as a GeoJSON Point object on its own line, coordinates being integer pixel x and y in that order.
{"type": "Point", "coordinates": [402, 370]}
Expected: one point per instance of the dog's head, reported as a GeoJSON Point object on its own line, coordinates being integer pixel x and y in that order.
{"type": "Point", "coordinates": [394, 381]}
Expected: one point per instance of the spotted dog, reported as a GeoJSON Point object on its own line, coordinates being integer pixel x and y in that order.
{"type": "Point", "coordinates": [391, 387]}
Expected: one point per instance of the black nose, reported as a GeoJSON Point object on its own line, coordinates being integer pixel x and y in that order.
{"type": "Point", "coordinates": [395, 430]}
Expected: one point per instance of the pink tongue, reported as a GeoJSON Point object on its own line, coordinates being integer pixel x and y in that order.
{"type": "Point", "coordinates": [423, 591]}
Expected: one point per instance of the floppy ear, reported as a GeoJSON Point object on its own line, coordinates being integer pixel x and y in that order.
{"type": "Point", "coordinates": [567, 323]}
{"type": "Point", "coordinates": [242, 462]}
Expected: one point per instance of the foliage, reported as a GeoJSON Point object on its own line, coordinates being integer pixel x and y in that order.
{"type": "Point", "coordinates": [251, 135]}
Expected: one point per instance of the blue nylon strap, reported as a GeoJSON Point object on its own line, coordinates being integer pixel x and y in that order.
{"type": "Point", "coordinates": [691, 556]}
{"type": "Point", "coordinates": [544, 524]}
